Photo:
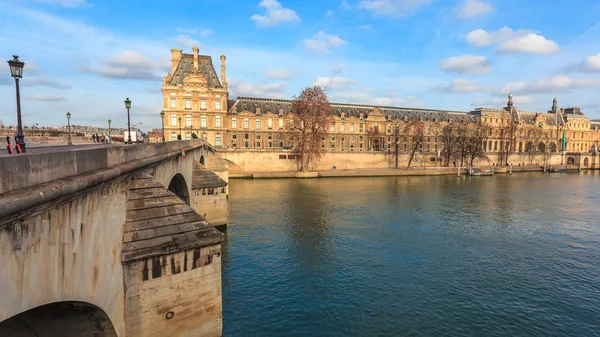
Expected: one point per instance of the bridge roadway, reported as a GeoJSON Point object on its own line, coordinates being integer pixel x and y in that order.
{"type": "Point", "coordinates": [109, 237]}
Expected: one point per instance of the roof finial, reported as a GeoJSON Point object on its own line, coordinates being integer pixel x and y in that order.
{"type": "Point", "coordinates": [510, 99]}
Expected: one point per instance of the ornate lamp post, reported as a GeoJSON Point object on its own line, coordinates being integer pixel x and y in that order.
{"type": "Point", "coordinates": [16, 71]}
{"type": "Point", "coordinates": [162, 116]}
{"type": "Point", "coordinates": [180, 135]}
{"type": "Point", "coordinates": [109, 139]}
{"type": "Point", "coordinates": [128, 106]}
{"type": "Point", "coordinates": [69, 142]}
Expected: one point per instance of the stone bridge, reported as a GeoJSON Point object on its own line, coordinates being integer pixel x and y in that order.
{"type": "Point", "coordinates": [112, 241]}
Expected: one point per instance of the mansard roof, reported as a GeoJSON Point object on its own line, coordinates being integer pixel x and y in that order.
{"type": "Point", "coordinates": [546, 118]}
{"type": "Point", "coordinates": [272, 105]}
{"type": "Point", "coordinates": [205, 65]}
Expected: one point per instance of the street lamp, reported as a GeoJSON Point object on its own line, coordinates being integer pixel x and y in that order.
{"type": "Point", "coordinates": [128, 106]}
{"type": "Point", "coordinates": [69, 142]}
{"type": "Point", "coordinates": [162, 116]}
{"type": "Point", "coordinates": [109, 139]}
{"type": "Point", "coordinates": [180, 135]}
{"type": "Point", "coordinates": [16, 71]}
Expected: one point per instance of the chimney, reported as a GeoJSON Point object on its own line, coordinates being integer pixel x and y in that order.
{"type": "Point", "coordinates": [195, 57]}
{"type": "Point", "coordinates": [175, 59]}
{"type": "Point", "coordinates": [223, 71]}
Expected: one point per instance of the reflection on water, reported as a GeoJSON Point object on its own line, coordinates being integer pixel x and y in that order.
{"type": "Point", "coordinates": [440, 256]}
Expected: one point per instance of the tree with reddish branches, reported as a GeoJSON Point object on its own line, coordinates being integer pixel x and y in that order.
{"type": "Point", "coordinates": [312, 115]}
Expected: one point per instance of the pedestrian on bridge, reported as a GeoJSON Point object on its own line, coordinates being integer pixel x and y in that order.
{"type": "Point", "coordinates": [8, 146]}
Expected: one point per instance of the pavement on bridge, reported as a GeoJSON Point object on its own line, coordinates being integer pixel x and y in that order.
{"type": "Point", "coordinates": [59, 148]}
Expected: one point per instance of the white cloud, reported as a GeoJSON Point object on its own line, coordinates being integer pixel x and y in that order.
{"type": "Point", "coordinates": [548, 85]}
{"type": "Point", "coordinates": [467, 64]}
{"type": "Point", "coordinates": [186, 41]}
{"type": "Point", "coordinates": [322, 42]}
{"type": "Point", "coordinates": [521, 41]}
{"type": "Point", "coordinates": [392, 7]}
{"type": "Point", "coordinates": [481, 38]}
{"type": "Point", "coordinates": [202, 32]}
{"type": "Point", "coordinates": [127, 65]}
{"type": "Point", "coordinates": [329, 14]}
{"type": "Point", "coordinates": [44, 82]}
{"type": "Point", "coordinates": [275, 14]}
{"type": "Point", "coordinates": [280, 73]}
{"type": "Point", "coordinates": [338, 68]}
{"type": "Point", "coordinates": [517, 99]}
{"type": "Point", "coordinates": [459, 85]}
{"type": "Point", "coordinates": [362, 97]}
{"type": "Point", "coordinates": [528, 44]}
{"type": "Point", "coordinates": [591, 63]}
{"type": "Point", "coordinates": [333, 82]}
{"type": "Point", "coordinates": [472, 8]}
{"type": "Point", "coordinates": [67, 3]}
{"type": "Point", "coordinates": [242, 88]}
{"type": "Point", "coordinates": [366, 27]}
{"type": "Point", "coordinates": [45, 98]}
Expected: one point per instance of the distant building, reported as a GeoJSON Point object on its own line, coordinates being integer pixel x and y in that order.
{"type": "Point", "coordinates": [155, 136]}
{"type": "Point", "coordinates": [195, 100]}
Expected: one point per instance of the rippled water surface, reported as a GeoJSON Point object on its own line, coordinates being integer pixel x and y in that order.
{"type": "Point", "coordinates": [414, 256]}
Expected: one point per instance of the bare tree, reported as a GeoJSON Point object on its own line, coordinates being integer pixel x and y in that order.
{"type": "Point", "coordinates": [462, 142]}
{"type": "Point", "coordinates": [478, 135]}
{"type": "Point", "coordinates": [448, 143]}
{"type": "Point", "coordinates": [311, 119]}
{"type": "Point", "coordinates": [413, 131]}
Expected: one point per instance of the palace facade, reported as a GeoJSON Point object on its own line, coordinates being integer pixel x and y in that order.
{"type": "Point", "coordinates": [196, 102]}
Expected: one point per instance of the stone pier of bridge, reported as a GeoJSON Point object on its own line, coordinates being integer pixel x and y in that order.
{"type": "Point", "coordinates": [112, 241]}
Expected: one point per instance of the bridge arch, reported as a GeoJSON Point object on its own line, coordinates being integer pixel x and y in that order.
{"type": "Point", "coordinates": [65, 319]}
{"type": "Point", "coordinates": [180, 188]}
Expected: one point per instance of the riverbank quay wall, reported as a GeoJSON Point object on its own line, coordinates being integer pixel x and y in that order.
{"type": "Point", "coordinates": [250, 161]}
{"type": "Point", "coordinates": [111, 227]}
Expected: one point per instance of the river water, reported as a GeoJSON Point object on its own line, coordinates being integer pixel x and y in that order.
{"type": "Point", "coordinates": [414, 256]}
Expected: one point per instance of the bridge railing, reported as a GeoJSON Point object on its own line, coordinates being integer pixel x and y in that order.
{"type": "Point", "coordinates": [21, 171]}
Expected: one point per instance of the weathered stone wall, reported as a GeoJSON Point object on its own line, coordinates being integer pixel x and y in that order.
{"type": "Point", "coordinates": [19, 171]}
{"type": "Point", "coordinates": [187, 284]}
{"type": "Point", "coordinates": [211, 203]}
{"type": "Point", "coordinates": [269, 161]}
{"type": "Point", "coordinates": [68, 252]}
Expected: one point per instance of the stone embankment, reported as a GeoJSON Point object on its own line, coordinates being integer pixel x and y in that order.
{"type": "Point", "coordinates": [368, 173]}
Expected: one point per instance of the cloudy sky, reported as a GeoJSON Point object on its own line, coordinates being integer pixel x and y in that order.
{"type": "Point", "coordinates": [86, 56]}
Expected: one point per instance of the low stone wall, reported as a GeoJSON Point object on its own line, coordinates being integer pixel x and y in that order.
{"type": "Point", "coordinates": [19, 171]}
{"type": "Point", "coordinates": [263, 161]}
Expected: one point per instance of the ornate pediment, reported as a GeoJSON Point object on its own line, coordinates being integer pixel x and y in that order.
{"type": "Point", "coordinates": [376, 115]}
{"type": "Point", "coordinates": [246, 113]}
{"type": "Point", "coordinates": [195, 79]}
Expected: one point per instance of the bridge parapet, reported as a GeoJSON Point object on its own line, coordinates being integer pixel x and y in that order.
{"type": "Point", "coordinates": [20, 171]}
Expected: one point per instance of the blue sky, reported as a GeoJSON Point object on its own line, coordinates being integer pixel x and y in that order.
{"type": "Point", "coordinates": [86, 56]}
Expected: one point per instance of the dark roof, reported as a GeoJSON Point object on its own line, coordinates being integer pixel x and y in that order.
{"type": "Point", "coordinates": [267, 105]}
{"type": "Point", "coordinates": [158, 222]}
{"type": "Point", "coordinates": [202, 177]}
{"type": "Point", "coordinates": [205, 66]}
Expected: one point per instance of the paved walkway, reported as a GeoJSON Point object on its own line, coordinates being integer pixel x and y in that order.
{"type": "Point", "coordinates": [39, 148]}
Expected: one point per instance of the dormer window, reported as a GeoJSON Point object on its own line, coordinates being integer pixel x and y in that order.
{"type": "Point", "coordinates": [280, 112]}
{"type": "Point", "coordinates": [362, 116]}
{"type": "Point", "coordinates": [405, 118]}
{"type": "Point", "coordinates": [258, 111]}
{"type": "Point", "coordinates": [343, 115]}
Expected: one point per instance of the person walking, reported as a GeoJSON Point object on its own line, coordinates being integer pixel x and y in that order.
{"type": "Point", "coordinates": [93, 138]}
